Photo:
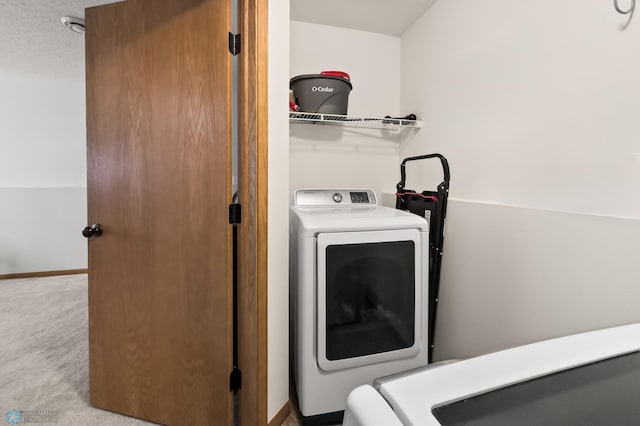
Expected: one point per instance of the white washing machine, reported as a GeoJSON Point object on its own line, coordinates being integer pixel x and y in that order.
{"type": "Point", "coordinates": [359, 290]}
{"type": "Point", "coordinates": [590, 378]}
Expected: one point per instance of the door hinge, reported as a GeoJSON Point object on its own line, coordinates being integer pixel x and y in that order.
{"type": "Point", "coordinates": [234, 43]}
{"type": "Point", "coordinates": [235, 213]}
{"type": "Point", "coordinates": [235, 380]}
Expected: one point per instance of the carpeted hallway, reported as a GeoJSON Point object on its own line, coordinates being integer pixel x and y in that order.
{"type": "Point", "coordinates": [44, 359]}
{"type": "Point", "coordinates": [44, 367]}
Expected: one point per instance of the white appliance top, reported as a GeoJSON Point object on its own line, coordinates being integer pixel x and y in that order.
{"type": "Point", "coordinates": [413, 395]}
{"type": "Point", "coordinates": [345, 210]}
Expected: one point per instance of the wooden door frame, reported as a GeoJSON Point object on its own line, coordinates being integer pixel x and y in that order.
{"type": "Point", "coordinates": [253, 197]}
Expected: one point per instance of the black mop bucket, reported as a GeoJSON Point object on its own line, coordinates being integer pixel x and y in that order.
{"type": "Point", "coordinates": [326, 93]}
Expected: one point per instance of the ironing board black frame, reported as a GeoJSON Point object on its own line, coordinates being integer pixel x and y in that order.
{"type": "Point", "coordinates": [435, 202]}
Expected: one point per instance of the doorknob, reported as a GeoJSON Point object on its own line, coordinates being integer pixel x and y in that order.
{"type": "Point", "coordinates": [94, 230]}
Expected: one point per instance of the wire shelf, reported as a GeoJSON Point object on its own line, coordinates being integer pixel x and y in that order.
{"type": "Point", "coordinates": [348, 121]}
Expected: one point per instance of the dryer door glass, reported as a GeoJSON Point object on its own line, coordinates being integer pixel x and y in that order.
{"type": "Point", "coordinates": [370, 298]}
{"type": "Point", "coordinates": [369, 292]}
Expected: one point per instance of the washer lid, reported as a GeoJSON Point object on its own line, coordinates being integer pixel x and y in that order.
{"type": "Point", "coordinates": [413, 396]}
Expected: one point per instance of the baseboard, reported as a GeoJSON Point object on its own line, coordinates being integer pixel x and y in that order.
{"type": "Point", "coordinates": [43, 274]}
{"type": "Point", "coordinates": [281, 415]}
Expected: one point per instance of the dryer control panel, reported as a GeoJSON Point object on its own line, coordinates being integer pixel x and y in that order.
{"type": "Point", "coordinates": [334, 197]}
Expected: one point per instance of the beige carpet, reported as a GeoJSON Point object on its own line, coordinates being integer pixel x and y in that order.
{"type": "Point", "coordinates": [44, 368]}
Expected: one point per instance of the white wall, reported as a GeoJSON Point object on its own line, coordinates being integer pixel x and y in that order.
{"type": "Point", "coordinates": [535, 107]}
{"type": "Point", "coordinates": [327, 156]}
{"type": "Point", "coordinates": [42, 173]}
{"type": "Point", "coordinates": [514, 275]}
{"type": "Point", "coordinates": [278, 214]}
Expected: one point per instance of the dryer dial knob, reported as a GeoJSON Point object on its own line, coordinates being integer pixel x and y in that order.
{"type": "Point", "coordinates": [337, 197]}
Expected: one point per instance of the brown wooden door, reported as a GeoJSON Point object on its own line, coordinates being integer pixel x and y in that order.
{"type": "Point", "coordinates": [159, 172]}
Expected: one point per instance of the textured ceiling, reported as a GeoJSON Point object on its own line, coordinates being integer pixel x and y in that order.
{"type": "Point", "coordinates": [33, 40]}
{"type": "Point", "coordinates": [392, 17]}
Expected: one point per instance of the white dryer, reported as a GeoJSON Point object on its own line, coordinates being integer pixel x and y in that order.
{"type": "Point", "coordinates": [359, 290]}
